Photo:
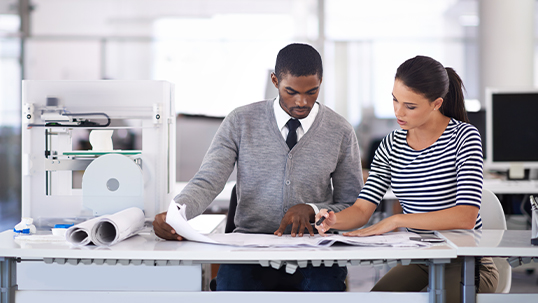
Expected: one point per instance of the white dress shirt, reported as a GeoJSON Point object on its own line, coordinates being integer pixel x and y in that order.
{"type": "Point", "coordinates": [282, 118]}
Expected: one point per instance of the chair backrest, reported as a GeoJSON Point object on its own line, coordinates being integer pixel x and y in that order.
{"type": "Point", "coordinates": [491, 211]}
{"type": "Point", "coordinates": [493, 217]}
{"type": "Point", "coordinates": [230, 224]}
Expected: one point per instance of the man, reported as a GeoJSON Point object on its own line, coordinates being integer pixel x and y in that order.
{"type": "Point", "coordinates": [294, 156]}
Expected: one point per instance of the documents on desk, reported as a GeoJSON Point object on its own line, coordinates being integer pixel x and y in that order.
{"type": "Point", "coordinates": [177, 219]}
{"type": "Point", "coordinates": [396, 239]}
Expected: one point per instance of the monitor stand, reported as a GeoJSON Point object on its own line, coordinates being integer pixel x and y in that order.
{"type": "Point", "coordinates": [516, 171]}
{"type": "Point", "coordinates": [533, 174]}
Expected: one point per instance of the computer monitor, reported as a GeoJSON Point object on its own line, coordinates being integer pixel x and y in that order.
{"type": "Point", "coordinates": [512, 130]}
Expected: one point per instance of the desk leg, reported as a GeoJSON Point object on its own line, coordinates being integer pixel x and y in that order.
{"type": "Point", "coordinates": [468, 294]}
{"type": "Point", "coordinates": [8, 280]}
{"type": "Point", "coordinates": [436, 286]}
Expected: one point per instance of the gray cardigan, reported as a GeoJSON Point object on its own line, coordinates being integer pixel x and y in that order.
{"type": "Point", "coordinates": [324, 168]}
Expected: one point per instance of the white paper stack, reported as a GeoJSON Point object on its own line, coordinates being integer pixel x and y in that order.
{"type": "Point", "coordinates": [108, 229]}
{"type": "Point", "coordinates": [177, 219]}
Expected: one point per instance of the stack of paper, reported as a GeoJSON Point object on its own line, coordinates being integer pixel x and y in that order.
{"type": "Point", "coordinates": [397, 239]}
{"type": "Point", "coordinates": [177, 219]}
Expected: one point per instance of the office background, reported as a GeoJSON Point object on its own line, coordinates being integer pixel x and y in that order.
{"type": "Point", "coordinates": [219, 54]}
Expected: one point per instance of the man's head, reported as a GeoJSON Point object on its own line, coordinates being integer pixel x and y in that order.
{"type": "Point", "coordinates": [298, 74]}
{"type": "Point", "coordinates": [298, 60]}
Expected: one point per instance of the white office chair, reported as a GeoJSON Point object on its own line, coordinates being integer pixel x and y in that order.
{"type": "Point", "coordinates": [493, 217]}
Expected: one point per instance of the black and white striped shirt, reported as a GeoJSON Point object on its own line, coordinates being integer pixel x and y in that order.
{"type": "Point", "coordinates": [443, 175]}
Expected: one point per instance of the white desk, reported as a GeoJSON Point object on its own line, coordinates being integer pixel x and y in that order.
{"type": "Point", "coordinates": [145, 250]}
{"type": "Point", "coordinates": [497, 186]}
{"type": "Point", "coordinates": [491, 243]}
{"type": "Point", "coordinates": [511, 187]}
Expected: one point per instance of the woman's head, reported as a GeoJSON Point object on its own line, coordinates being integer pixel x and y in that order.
{"type": "Point", "coordinates": [429, 78]}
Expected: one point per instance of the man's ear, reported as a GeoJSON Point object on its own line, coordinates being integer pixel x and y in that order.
{"type": "Point", "coordinates": [274, 79]}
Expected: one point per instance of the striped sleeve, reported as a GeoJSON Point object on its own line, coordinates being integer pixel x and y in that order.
{"type": "Point", "coordinates": [380, 173]}
{"type": "Point", "coordinates": [469, 166]}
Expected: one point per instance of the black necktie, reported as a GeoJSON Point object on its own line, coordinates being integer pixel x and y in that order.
{"type": "Point", "coordinates": [292, 134]}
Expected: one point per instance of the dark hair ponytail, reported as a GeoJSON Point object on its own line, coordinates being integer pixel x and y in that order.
{"type": "Point", "coordinates": [454, 101]}
{"type": "Point", "coordinates": [431, 79]}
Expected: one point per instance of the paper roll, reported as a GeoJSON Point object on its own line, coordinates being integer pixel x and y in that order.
{"type": "Point", "coordinates": [111, 229]}
{"type": "Point", "coordinates": [80, 234]}
{"type": "Point", "coordinates": [107, 230]}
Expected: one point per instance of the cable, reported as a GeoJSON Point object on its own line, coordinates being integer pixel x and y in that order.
{"type": "Point", "coordinates": [89, 122]}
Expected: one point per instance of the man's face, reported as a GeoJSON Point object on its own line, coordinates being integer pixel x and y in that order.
{"type": "Point", "coordinates": [297, 94]}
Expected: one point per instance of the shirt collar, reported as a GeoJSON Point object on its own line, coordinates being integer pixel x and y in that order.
{"type": "Point", "coordinates": [282, 117]}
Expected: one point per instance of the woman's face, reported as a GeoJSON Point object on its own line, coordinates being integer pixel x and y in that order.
{"type": "Point", "coordinates": [412, 110]}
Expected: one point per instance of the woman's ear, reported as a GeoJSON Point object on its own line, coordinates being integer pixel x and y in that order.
{"type": "Point", "coordinates": [437, 103]}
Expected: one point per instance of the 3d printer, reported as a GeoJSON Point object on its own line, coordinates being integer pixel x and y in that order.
{"type": "Point", "coordinates": [59, 115]}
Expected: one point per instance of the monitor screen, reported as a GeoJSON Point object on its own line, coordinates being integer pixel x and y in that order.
{"type": "Point", "coordinates": [512, 128]}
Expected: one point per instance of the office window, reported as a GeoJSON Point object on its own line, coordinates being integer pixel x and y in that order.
{"type": "Point", "coordinates": [373, 38]}
{"type": "Point", "coordinates": [10, 119]}
{"type": "Point", "coordinates": [221, 62]}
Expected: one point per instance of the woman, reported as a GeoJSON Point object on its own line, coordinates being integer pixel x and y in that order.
{"type": "Point", "coordinates": [433, 164]}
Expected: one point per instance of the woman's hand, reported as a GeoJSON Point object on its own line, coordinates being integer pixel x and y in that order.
{"type": "Point", "coordinates": [384, 226]}
{"type": "Point", "coordinates": [330, 220]}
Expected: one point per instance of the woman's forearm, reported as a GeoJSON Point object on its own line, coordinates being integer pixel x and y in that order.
{"type": "Point", "coordinates": [355, 216]}
{"type": "Point", "coordinates": [457, 217]}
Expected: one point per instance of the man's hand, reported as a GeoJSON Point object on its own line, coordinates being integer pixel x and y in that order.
{"type": "Point", "coordinates": [300, 217]}
{"type": "Point", "coordinates": [163, 230]}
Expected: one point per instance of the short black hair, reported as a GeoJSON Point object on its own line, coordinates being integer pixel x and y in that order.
{"type": "Point", "coordinates": [298, 60]}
